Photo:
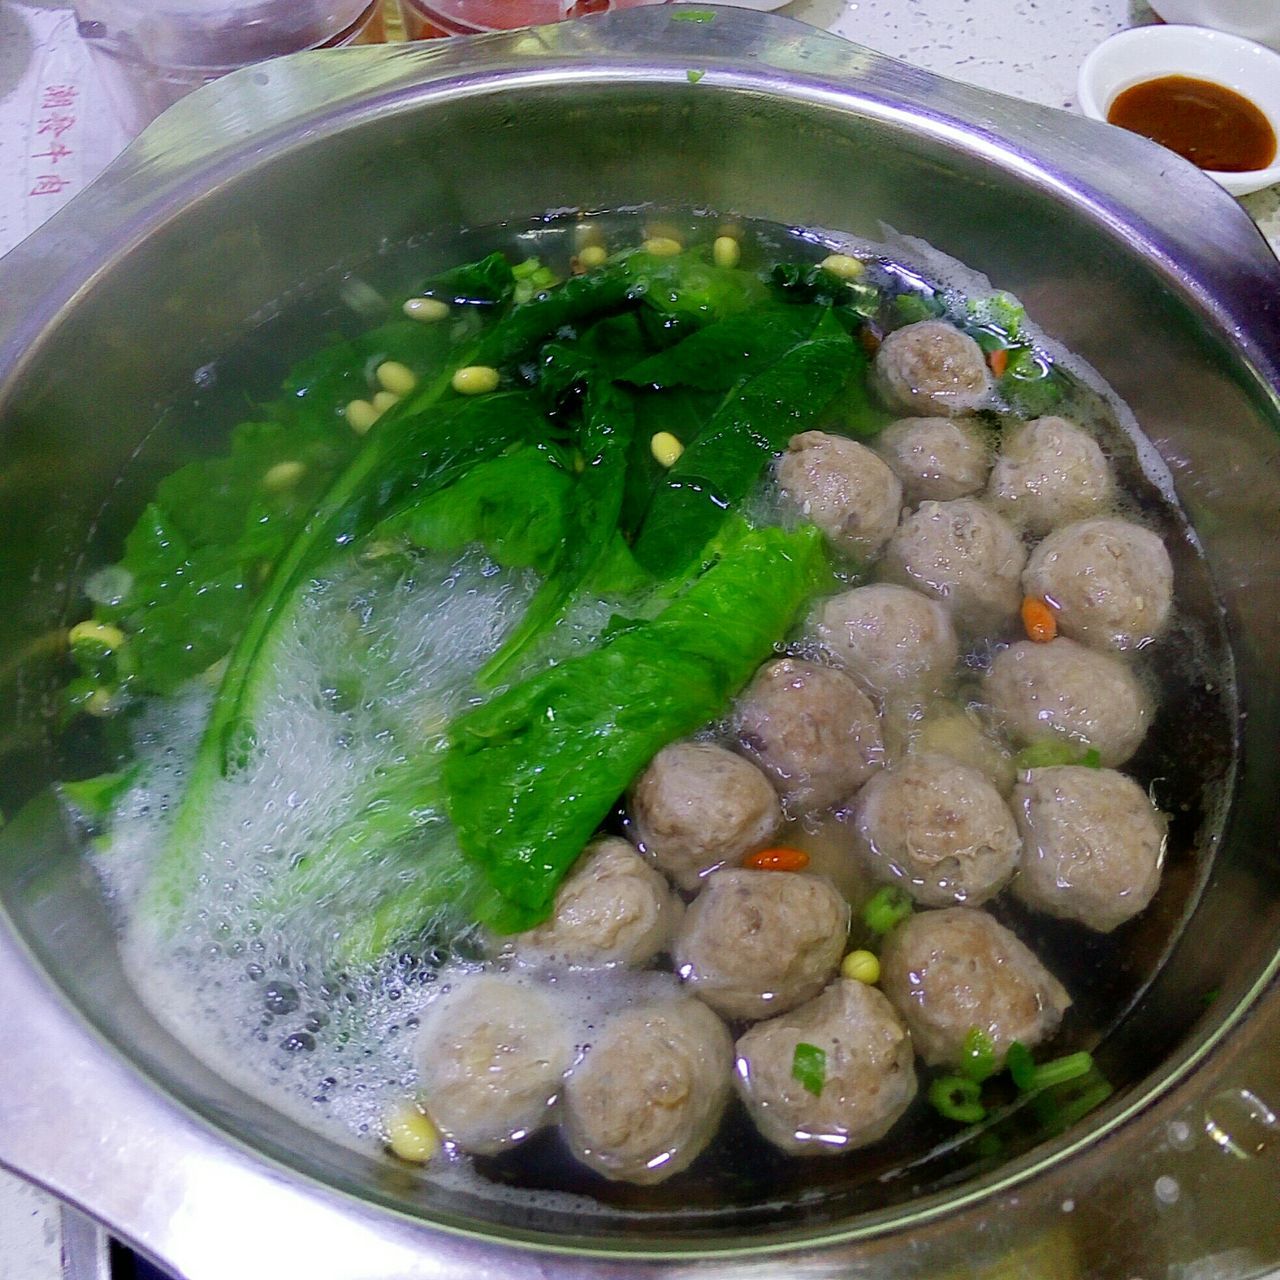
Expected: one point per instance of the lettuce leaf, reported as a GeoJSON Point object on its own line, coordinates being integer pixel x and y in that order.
{"type": "Point", "coordinates": [532, 773]}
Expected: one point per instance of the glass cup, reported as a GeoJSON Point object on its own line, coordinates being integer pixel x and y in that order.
{"type": "Point", "coordinates": [428, 19]}
{"type": "Point", "coordinates": [150, 53]}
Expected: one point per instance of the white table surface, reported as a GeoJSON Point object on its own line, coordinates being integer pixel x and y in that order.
{"type": "Point", "coordinates": [1028, 48]}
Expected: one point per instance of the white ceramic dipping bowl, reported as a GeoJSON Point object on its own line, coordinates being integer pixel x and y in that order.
{"type": "Point", "coordinates": [1147, 53]}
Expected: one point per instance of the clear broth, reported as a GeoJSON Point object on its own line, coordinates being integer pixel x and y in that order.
{"type": "Point", "coordinates": [241, 1000]}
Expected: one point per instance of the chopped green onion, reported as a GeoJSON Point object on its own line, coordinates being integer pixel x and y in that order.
{"type": "Point", "coordinates": [957, 1099]}
{"type": "Point", "coordinates": [978, 1055]}
{"type": "Point", "coordinates": [1060, 1070]}
{"type": "Point", "coordinates": [885, 908]}
{"type": "Point", "coordinates": [526, 269]}
{"type": "Point", "coordinates": [693, 15]}
{"type": "Point", "coordinates": [694, 76]}
{"type": "Point", "coordinates": [809, 1066]}
{"type": "Point", "coordinates": [1031, 1078]}
{"type": "Point", "coordinates": [1047, 755]}
{"type": "Point", "coordinates": [1021, 1064]}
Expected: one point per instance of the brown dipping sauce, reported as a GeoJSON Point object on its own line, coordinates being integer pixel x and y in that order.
{"type": "Point", "coordinates": [1206, 123]}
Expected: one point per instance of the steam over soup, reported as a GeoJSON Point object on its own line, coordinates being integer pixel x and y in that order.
{"type": "Point", "coordinates": [650, 707]}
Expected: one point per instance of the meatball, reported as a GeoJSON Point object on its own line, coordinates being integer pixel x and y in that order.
{"type": "Point", "coordinates": [938, 828]}
{"type": "Point", "coordinates": [491, 1058]}
{"type": "Point", "coordinates": [1049, 472]}
{"type": "Point", "coordinates": [890, 639]}
{"type": "Point", "coordinates": [648, 1096]}
{"type": "Point", "coordinates": [843, 488]}
{"type": "Point", "coordinates": [867, 1065]}
{"type": "Point", "coordinates": [931, 368]}
{"type": "Point", "coordinates": [949, 971]}
{"type": "Point", "coordinates": [1062, 691]}
{"type": "Point", "coordinates": [963, 554]}
{"type": "Point", "coordinates": [1110, 582]}
{"type": "Point", "coordinates": [1092, 845]}
{"type": "Point", "coordinates": [614, 908]}
{"type": "Point", "coordinates": [936, 459]}
{"type": "Point", "coordinates": [811, 730]}
{"type": "Point", "coordinates": [755, 943]}
{"type": "Point", "coordinates": [698, 806]}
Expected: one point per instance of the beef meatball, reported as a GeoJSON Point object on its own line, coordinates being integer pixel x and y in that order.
{"type": "Point", "coordinates": [491, 1058]}
{"type": "Point", "coordinates": [890, 639]}
{"type": "Point", "coordinates": [949, 971]}
{"type": "Point", "coordinates": [1049, 472]}
{"type": "Point", "coordinates": [613, 908]}
{"type": "Point", "coordinates": [931, 368]}
{"type": "Point", "coordinates": [867, 1065]}
{"type": "Point", "coordinates": [1063, 692]}
{"type": "Point", "coordinates": [698, 806]}
{"type": "Point", "coordinates": [1109, 580]}
{"type": "Point", "coordinates": [843, 488]}
{"type": "Point", "coordinates": [648, 1096]}
{"type": "Point", "coordinates": [936, 459]}
{"type": "Point", "coordinates": [1092, 845]}
{"type": "Point", "coordinates": [811, 730]}
{"type": "Point", "coordinates": [939, 829]}
{"type": "Point", "coordinates": [963, 554]}
{"type": "Point", "coordinates": [755, 943]}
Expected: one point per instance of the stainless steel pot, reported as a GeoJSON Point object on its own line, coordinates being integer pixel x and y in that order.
{"type": "Point", "coordinates": [261, 186]}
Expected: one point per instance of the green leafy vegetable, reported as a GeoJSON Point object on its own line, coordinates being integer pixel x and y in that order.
{"type": "Point", "coordinates": [489, 282]}
{"type": "Point", "coordinates": [590, 525]}
{"type": "Point", "coordinates": [203, 548]}
{"type": "Point", "coordinates": [1031, 384]}
{"type": "Point", "coordinates": [809, 1067]}
{"type": "Point", "coordinates": [515, 505]}
{"type": "Point", "coordinates": [852, 300]}
{"type": "Point", "coordinates": [721, 466]}
{"type": "Point", "coordinates": [719, 355]}
{"type": "Point", "coordinates": [995, 321]}
{"type": "Point", "coordinates": [911, 308]}
{"type": "Point", "coordinates": [404, 458]}
{"type": "Point", "coordinates": [532, 773]}
{"type": "Point", "coordinates": [93, 799]}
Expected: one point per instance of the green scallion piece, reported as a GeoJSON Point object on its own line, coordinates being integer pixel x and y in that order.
{"type": "Point", "coordinates": [809, 1066]}
{"type": "Point", "coordinates": [957, 1099]}
{"type": "Point", "coordinates": [885, 908]}
{"type": "Point", "coordinates": [1060, 1070]}
{"type": "Point", "coordinates": [1021, 1065]}
{"type": "Point", "coordinates": [977, 1055]}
